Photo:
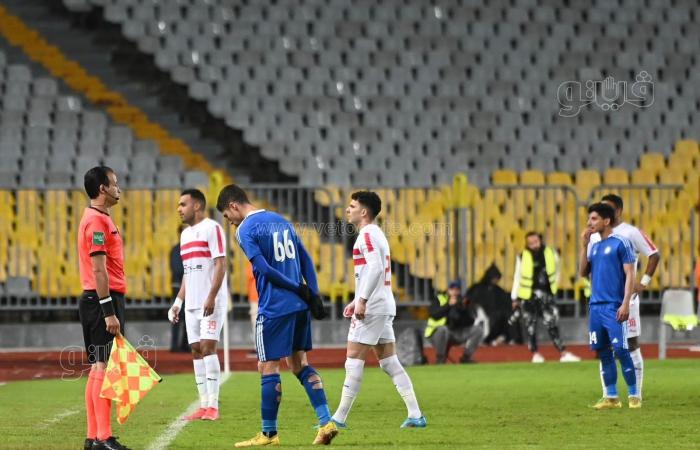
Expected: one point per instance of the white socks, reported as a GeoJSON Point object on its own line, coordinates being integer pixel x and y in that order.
{"type": "Point", "coordinates": [602, 381]}
{"type": "Point", "coordinates": [200, 377]}
{"type": "Point", "coordinates": [354, 369]}
{"type": "Point", "coordinates": [638, 368]}
{"type": "Point", "coordinates": [395, 370]}
{"type": "Point", "coordinates": [213, 370]}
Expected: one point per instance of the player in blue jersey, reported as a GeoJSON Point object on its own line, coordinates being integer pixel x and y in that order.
{"type": "Point", "coordinates": [610, 264]}
{"type": "Point", "coordinates": [281, 264]}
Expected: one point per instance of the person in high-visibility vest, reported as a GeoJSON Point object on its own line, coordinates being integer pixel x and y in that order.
{"type": "Point", "coordinates": [534, 287]}
{"type": "Point", "coordinates": [455, 321]}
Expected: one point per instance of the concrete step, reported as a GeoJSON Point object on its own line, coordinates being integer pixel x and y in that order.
{"type": "Point", "coordinates": [103, 51]}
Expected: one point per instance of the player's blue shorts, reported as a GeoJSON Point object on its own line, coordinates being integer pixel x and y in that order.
{"type": "Point", "coordinates": [604, 329]}
{"type": "Point", "coordinates": [278, 337]}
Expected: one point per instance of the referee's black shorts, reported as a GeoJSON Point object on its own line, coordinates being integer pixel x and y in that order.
{"type": "Point", "coordinates": [98, 341]}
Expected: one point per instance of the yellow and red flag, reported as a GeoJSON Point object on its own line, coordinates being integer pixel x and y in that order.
{"type": "Point", "coordinates": [128, 378]}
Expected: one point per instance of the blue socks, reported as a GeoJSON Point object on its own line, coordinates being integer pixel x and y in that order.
{"type": "Point", "coordinates": [317, 396]}
{"type": "Point", "coordinates": [270, 401]}
{"type": "Point", "coordinates": [608, 370]}
{"type": "Point", "coordinates": [271, 390]}
{"type": "Point", "coordinates": [627, 370]}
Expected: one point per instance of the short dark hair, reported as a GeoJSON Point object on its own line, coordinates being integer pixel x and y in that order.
{"type": "Point", "coordinates": [197, 196]}
{"type": "Point", "coordinates": [614, 199]}
{"type": "Point", "coordinates": [534, 233]}
{"type": "Point", "coordinates": [94, 178]}
{"type": "Point", "coordinates": [603, 209]}
{"type": "Point", "coordinates": [231, 193]}
{"type": "Point", "coordinates": [369, 200]}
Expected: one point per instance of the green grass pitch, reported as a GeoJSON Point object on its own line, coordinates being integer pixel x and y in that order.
{"type": "Point", "coordinates": [484, 406]}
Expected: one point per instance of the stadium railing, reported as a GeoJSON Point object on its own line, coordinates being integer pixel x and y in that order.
{"type": "Point", "coordinates": [436, 234]}
{"type": "Point", "coordinates": [495, 223]}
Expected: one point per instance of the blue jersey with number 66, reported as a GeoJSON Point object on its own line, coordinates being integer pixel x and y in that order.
{"type": "Point", "coordinates": [272, 236]}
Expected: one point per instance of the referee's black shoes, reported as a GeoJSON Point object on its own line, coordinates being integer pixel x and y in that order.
{"type": "Point", "coordinates": [110, 443]}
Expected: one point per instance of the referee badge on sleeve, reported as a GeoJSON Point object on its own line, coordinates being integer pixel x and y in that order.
{"type": "Point", "coordinates": [98, 238]}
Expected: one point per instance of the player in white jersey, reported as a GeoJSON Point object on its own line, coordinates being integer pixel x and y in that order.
{"type": "Point", "coordinates": [641, 244]}
{"type": "Point", "coordinates": [204, 292]}
{"type": "Point", "coordinates": [372, 312]}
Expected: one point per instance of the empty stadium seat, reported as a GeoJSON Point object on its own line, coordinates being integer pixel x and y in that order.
{"type": "Point", "coordinates": [654, 162]}
{"type": "Point", "coordinates": [615, 176]}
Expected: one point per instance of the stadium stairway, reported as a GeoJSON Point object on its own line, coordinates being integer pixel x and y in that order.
{"type": "Point", "coordinates": [101, 50]}
{"type": "Point", "coordinates": [75, 76]}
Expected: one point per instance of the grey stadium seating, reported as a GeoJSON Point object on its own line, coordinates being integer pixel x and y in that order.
{"type": "Point", "coordinates": [451, 75]}
{"type": "Point", "coordinates": [48, 140]}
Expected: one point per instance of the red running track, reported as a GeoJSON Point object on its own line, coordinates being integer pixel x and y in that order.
{"type": "Point", "coordinates": [69, 365]}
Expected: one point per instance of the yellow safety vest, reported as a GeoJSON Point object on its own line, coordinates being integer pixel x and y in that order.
{"type": "Point", "coordinates": [582, 284]}
{"type": "Point", "coordinates": [527, 271]}
{"type": "Point", "coordinates": [434, 323]}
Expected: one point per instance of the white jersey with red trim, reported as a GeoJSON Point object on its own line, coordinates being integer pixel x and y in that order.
{"type": "Point", "coordinates": [200, 244]}
{"type": "Point", "coordinates": [372, 261]}
{"type": "Point", "coordinates": [639, 240]}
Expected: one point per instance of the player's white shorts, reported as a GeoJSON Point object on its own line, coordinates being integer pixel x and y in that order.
{"type": "Point", "coordinates": [372, 330]}
{"type": "Point", "coordinates": [199, 327]}
{"type": "Point", "coordinates": [634, 324]}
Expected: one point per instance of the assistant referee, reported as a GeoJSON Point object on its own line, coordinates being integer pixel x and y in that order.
{"type": "Point", "coordinates": [101, 307]}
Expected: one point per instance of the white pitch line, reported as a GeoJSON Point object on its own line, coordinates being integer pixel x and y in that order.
{"type": "Point", "coordinates": [170, 433]}
{"type": "Point", "coordinates": [57, 418]}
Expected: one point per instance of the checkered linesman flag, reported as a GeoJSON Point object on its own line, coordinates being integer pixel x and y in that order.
{"type": "Point", "coordinates": [128, 378]}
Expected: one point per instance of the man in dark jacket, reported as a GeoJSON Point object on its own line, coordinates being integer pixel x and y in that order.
{"type": "Point", "coordinates": [455, 321]}
{"type": "Point", "coordinates": [496, 304]}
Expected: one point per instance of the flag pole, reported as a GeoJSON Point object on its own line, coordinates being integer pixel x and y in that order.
{"type": "Point", "coordinates": [227, 362]}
